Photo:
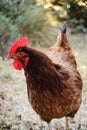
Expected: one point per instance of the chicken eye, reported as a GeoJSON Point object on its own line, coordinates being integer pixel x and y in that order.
{"type": "Point", "coordinates": [20, 49]}
{"type": "Point", "coordinates": [20, 53]}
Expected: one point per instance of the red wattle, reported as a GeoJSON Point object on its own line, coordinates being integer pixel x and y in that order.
{"type": "Point", "coordinates": [17, 65]}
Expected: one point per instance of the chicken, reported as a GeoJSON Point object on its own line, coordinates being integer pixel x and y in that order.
{"type": "Point", "coordinates": [54, 84]}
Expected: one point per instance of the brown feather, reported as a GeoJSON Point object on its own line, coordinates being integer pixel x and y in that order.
{"type": "Point", "coordinates": [54, 90]}
{"type": "Point", "coordinates": [54, 84]}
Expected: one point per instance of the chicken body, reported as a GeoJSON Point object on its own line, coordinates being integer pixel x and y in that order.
{"type": "Point", "coordinates": [54, 84]}
{"type": "Point", "coordinates": [54, 90]}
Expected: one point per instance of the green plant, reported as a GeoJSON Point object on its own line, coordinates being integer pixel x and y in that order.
{"type": "Point", "coordinates": [76, 14]}
{"type": "Point", "coordinates": [35, 25]}
{"type": "Point", "coordinates": [7, 32]}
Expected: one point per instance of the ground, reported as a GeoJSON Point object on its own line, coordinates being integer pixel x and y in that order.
{"type": "Point", "coordinates": [15, 111]}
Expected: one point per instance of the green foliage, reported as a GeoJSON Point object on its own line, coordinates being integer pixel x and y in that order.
{"type": "Point", "coordinates": [76, 11]}
{"type": "Point", "coordinates": [7, 31]}
{"type": "Point", "coordinates": [77, 15]}
{"type": "Point", "coordinates": [35, 25]}
{"type": "Point", "coordinates": [30, 18]}
{"type": "Point", "coordinates": [23, 18]}
{"type": "Point", "coordinates": [8, 28]}
{"type": "Point", "coordinates": [12, 9]}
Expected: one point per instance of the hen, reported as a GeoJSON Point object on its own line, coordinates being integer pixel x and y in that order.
{"type": "Point", "coordinates": [54, 84]}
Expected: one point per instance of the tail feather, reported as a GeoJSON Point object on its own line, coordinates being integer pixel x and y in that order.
{"type": "Point", "coordinates": [62, 40]}
{"type": "Point", "coordinates": [63, 28]}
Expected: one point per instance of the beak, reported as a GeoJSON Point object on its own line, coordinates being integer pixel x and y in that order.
{"type": "Point", "coordinates": [9, 57]}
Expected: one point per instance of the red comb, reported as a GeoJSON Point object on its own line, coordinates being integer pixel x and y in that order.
{"type": "Point", "coordinates": [18, 43]}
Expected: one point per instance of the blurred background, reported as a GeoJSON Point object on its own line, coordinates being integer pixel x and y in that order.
{"type": "Point", "coordinates": [40, 21]}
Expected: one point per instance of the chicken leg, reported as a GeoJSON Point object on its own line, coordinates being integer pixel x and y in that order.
{"type": "Point", "coordinates": [67, 124]}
